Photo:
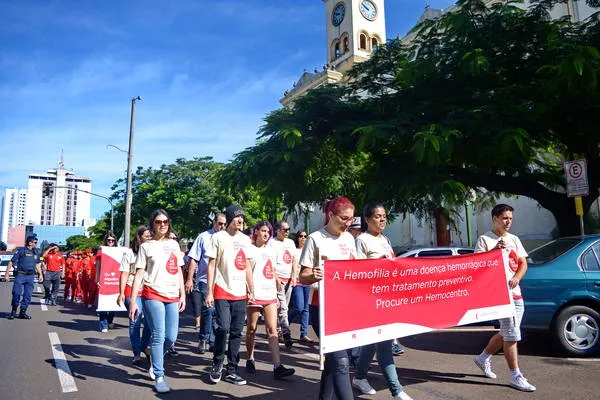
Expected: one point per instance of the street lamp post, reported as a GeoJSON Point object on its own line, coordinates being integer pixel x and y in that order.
{"type": "Point", "coordinates": [127, 228]}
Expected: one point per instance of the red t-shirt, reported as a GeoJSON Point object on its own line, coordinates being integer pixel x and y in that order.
{"type": "Point", "coordinates": [54, 261]}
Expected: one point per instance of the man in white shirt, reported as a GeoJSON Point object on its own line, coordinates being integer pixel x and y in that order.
{"type": "Point", "coordinates": [285, 269]}
{"type": "Point", "coordinates": [510, 328]}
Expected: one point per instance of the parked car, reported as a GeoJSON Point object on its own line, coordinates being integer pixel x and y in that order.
{"type": "Point", "coordinates": [3, 265]}
{"type": "Point", "coordinates": [442, 251]}
{"type": "Point", "coordinates": [562, 293]}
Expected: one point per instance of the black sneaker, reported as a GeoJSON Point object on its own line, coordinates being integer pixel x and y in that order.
{"type": "Point", "coordinates": [216, 372]}
{"type": "Point", "coordinates": [202, 347]}
{"type": "Point", "coordinates": [250, 367]}
{"type": "Point", "coordinates": [12, 315]}
{"type": "Point", "coordinates": [172, 352]}
{"type": "Point", "coordinates": [233, 377]}
{"type": "Point", "coordinates": [24, 315]}
{"type": "Point", "coordinates": [287, 340]}
{"type": "Point", "coordinates": [282, 372]}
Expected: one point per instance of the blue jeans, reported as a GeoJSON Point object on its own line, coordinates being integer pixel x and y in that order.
{"type": "Point", "coordinates": [138, 345]}
{"type": "Point", "coordinates": [163, 321]}
{"type": "Point", "coordinates": [207, 316]}
{"type": "Point", "coordinates": [21, 291]}
{"type": "Point", "coordinates": [386, 363]}
{"type": "Point", "coordinates": [299, 307]}
{"type": "Point", "coordinates": [106, 318]}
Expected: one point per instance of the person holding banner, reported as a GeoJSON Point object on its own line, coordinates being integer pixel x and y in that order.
{"type": "Point", "coordinates": [510, 328]}
{"type": "Point", "coordinates": [105, 317]}
{"type": "Point", "coordinates": [373, 244]}
{"type": "Point", "coordinates": [159, 268]}
{"type": "Point", "coordinates": [127, 268]}
{"type": "Point", "coordinates": [334, 243]}
{"type": "Point", "coordinates": [265, 300]}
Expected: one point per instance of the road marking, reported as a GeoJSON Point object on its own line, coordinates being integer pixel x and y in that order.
{"type": "Point", "coordinates": [62, 366]}
{"type": "Point", "coordinates": [38, 289]}
{"type": "Point", "coordinates": [584, 359]}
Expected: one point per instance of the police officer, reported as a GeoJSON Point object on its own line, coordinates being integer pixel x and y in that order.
{"type": "Point", "coordinates": [27, 261]}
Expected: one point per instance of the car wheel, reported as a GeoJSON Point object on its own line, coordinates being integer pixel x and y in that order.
{"type": "Point", "coordinates": [577, 331]}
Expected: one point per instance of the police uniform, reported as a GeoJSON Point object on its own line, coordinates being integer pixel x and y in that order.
{"type": "Point", "coordinates": [25, 260]}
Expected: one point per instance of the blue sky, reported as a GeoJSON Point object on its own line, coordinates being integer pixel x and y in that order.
{"type": "Point", "coordinates": [208, 73]}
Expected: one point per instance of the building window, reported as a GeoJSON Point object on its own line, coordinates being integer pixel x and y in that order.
{"type": "Point", "coordinates": [362, 41]}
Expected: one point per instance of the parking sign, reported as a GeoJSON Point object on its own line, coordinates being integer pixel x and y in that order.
{"type": "Point", "coordinates": [577, 183]}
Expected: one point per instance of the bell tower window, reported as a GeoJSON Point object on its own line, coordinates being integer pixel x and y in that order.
{"type": "Point", "coordinates": [362, 41]}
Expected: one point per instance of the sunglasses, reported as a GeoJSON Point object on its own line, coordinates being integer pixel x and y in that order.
{"type": "Point", "coordinates": [285, 230]}
{"type": "Point", "coordinates": [161, 222]}
{"type": "Point", "coordinates": [302, 236]}
{"type": "Point", "coordinates": [344, 219]}
{"type": "Point", "coordinates": [110, 240]}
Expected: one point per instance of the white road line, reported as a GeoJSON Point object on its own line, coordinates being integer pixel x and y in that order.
{"type": "Point", "coordinates": [62, 367]}
{"type": "Point", "coordinates": [583, 359]}
{"type": "Point", "coordinates": [38, 289]}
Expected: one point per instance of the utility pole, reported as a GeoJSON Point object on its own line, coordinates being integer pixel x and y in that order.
{"type": "Point", "coordinates": [128, 199]}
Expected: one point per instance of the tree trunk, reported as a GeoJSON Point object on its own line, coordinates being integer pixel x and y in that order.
{"type": "Point", "coordinates": [442, 230]}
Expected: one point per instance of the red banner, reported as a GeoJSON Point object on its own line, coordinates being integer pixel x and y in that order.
{"type": "Point", "coordinates": [368, 301]}
{"type": "Point", "coordinates": [110, 261]}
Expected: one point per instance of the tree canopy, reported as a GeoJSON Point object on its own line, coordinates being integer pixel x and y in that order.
{"type": "Point", "coordinates": [493, 99]}
{"type": "Point", "coordinates": [189, 190]}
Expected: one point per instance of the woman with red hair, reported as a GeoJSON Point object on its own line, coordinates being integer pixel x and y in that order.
{"type": "Point", "coordinates": [331, 242]}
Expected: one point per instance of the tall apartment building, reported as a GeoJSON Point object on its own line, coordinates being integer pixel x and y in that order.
{"type": "Point", "coordinates": [58, 197]}
{"type": "Point", "coordinates": [12, 211]}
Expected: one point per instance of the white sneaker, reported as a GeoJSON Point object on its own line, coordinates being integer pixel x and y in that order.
{"type": "Point", "coordinates": [402, 396]}
{"type": "Point", "coordinates": [161, 386]}
{"type": "Point", "coordinates": [485, 367]}
{"type": "Point", "coordinates": [151, 370]}
{"type": "Point", "coordinates": [104, 330]}
{"type": "Point", "coordinates": [519, 382]}
{"type": "Point", "coordinates": [363, 385]}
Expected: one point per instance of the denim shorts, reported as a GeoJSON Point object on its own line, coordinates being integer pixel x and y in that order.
{"type": "Point", "coordinates": [510, 328]}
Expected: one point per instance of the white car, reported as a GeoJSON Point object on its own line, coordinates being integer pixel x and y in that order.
{"type": "Point", "coordinates": [3, 265]}
{"type": "Point", "coordinates": [442, 251]}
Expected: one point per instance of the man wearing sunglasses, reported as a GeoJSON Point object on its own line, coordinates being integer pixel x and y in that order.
{"type": "Point", "coordinates": [196, 283]}
{"type": "Point", "coordinates": [27, 261]}
{"type": "Point", "coordinates": [285, 270]}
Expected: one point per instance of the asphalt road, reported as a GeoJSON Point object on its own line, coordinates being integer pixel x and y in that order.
{"type": "Point", "coordinates": [436, 365]}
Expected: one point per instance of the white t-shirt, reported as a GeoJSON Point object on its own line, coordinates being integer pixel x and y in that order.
{"type": "Point", "coordinates": [323, 244]}
{"type": "Point", "coordinates": [285, 250]}
{"type": "Point", "coordinates": [128, 265]}
{"type": "Point", "coordinates": [515, 249]}
{"type": "Point", "coordinates": [263, 266]}
{"type": "Point", "coordinates": [162, 260]}
{"type": "Point", "coordinates": [369, 246]}
{"type": "Point", "coordinates": [231, 254]}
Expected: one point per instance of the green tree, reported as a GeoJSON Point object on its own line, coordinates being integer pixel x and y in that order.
{"type": "Point", "coordinates": [81, 242]}
{"type": "Point", "coordinates": [491, 98]}
{"type": "Point", "coordinates": [187, 189]}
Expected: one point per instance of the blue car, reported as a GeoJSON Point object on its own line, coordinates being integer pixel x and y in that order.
{"type": "Point", "coordinates": [562, 293]}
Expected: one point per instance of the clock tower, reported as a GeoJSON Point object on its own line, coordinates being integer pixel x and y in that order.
{"type": "Point", "coordinates": [355, 28]}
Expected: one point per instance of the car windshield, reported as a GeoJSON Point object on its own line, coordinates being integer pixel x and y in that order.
{"type": "Point", "coordinates": [550, 251]}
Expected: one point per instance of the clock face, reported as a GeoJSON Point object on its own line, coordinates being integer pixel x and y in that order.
{"type": "Point", "coordinates": [368, 10]}
{"type": "Point", "coordinates": [338, 14]}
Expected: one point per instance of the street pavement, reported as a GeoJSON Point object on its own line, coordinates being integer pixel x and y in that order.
{"type": "Point", "coordinates": [436, 365]}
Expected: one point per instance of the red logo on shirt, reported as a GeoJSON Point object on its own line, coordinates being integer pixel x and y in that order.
{"type": "Point", "coordinates": [240, 260]}
{"type": "Point", "coordinates": [268, 270]}
{"type": "Point", "coordinates": [287, 257]}
{"type": "Point", "coordinates": [513, 261]}
{"type": "Point", "coordinates": [172, 264]}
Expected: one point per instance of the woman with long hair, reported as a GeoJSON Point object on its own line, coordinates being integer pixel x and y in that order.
{"type": "Point", "coordinates": [139, 343]}
{"type": "Point", "coordinates": [372, 243]}
{"type": "Point", "coordinates": [106, 317]}
{"type": "Point", "coordinates": [265, 300]}
{"type": "Point", "coordinates": [331, 242]}
{"type": "Point", "coordinates": [158, 267]}
{"type": "Point", "coordinates": [300, 294]}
